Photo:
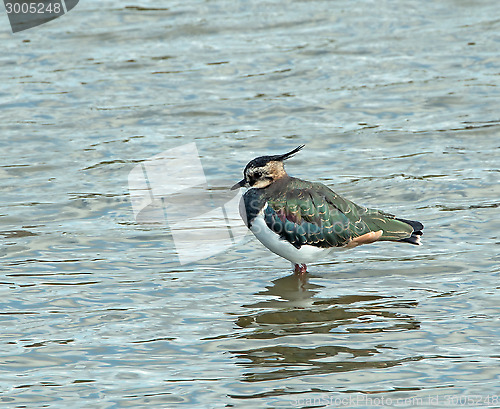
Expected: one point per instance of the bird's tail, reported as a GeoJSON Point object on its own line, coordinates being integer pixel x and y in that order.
{"type": "Point", "coordinates": [394, 229]}
{"type": "Point", "coordinates": [417, 231]}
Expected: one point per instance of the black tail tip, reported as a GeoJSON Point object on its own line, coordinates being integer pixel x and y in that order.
{"type": "Point", "coordinates": [417, 232]}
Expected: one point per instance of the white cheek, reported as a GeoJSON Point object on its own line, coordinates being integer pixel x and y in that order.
{"type": "Point", "coordinates": [261, 183]}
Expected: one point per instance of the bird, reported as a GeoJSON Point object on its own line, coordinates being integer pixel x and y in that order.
{"type": "Point", "coordinates": [303, 221]}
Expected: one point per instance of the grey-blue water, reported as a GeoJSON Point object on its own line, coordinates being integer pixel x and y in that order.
{"type": "Point", "coordinates": [398, 105]}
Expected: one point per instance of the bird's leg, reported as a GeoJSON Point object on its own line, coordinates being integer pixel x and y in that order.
{"type": "Point", "coordinates": [300, 269]}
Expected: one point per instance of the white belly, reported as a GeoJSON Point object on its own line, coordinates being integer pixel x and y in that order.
{"type": "Point", "coordinates": [306, 254]}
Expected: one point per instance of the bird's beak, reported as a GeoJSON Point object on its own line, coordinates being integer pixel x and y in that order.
{"type": "Point", "coordinates": [241, 183]}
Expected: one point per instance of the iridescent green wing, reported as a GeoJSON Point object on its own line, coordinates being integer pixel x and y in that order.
{"type": "Point", "coordinates": [317, 216]}
{"type": "Point", "coordinates": [306, 216]}
{"type": "Point", "coordinates": [371, 219]}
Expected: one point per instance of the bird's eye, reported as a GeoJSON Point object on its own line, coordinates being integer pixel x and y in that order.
{"type": "Point", "coordinates": [257, 175]}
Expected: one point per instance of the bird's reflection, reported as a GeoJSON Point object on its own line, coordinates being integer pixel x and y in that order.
{"type": "Point", "coordinates": [294, 313]}
{"type": "Point", "coordinates": [292, 289]}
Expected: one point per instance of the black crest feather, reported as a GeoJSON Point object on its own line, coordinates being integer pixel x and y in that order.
{"type": "Point", "coordinates": [262, 160]}
{"type": "Point", "coordinates": [287, 155]}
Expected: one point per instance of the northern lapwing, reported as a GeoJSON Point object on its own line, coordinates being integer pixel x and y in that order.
{"type": "Point", "coordinates": [302, 221]}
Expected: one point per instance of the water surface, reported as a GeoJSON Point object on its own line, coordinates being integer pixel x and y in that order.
{"type": "Point", "coordinates": [397, 104]}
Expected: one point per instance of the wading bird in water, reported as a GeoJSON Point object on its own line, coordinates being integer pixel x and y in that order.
{"type": "Point", "coordinates": [302, 221]}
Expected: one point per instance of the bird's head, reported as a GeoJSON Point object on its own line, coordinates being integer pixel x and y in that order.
{"type": "Point", "coordinates": [264, 170]}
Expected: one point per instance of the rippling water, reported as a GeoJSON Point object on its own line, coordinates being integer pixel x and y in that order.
{"type": "Point", "coordinates": [397, 103]}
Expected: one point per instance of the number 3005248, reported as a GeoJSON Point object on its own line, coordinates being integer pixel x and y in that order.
{"type": "Point", "coordinates": [34, 8]}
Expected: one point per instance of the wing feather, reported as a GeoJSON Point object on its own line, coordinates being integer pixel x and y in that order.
{"type": "Point", "coordinates": [317, 216]}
